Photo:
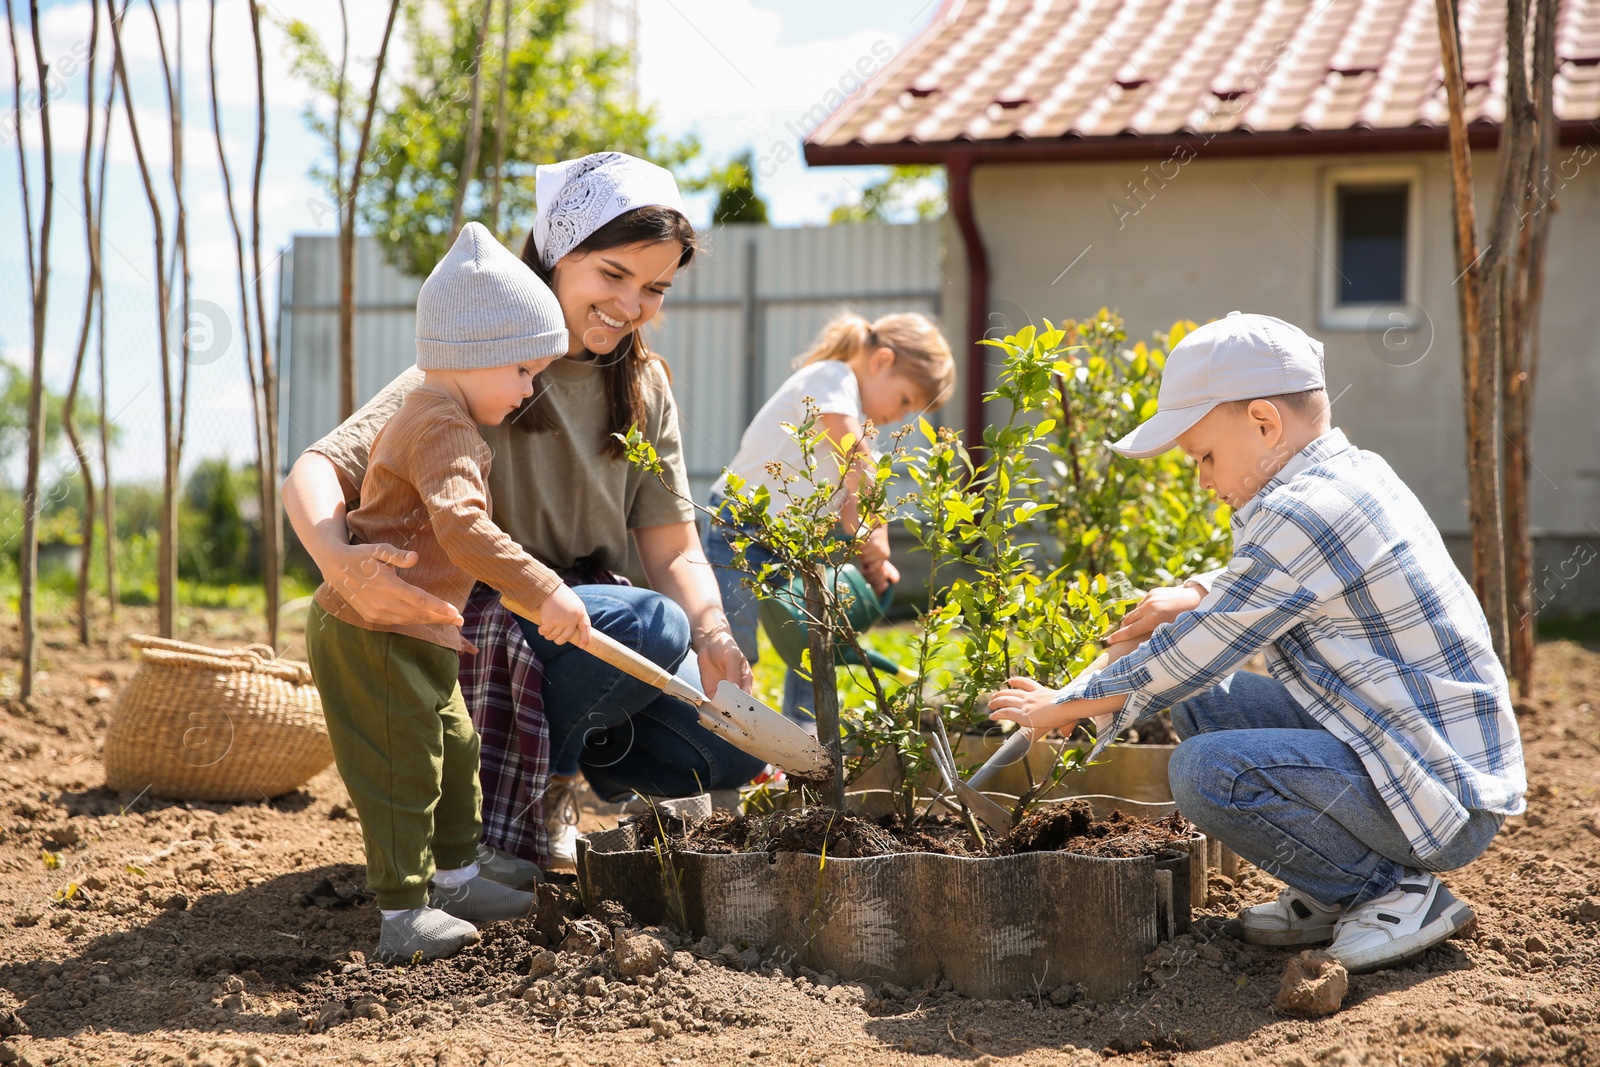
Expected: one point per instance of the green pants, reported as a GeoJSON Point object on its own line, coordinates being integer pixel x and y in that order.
{"type": "Point", "coordinates": [406, 749]}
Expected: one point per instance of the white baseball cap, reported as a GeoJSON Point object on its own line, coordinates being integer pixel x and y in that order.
{"type": "Point", "coordinates": [1240, 357]}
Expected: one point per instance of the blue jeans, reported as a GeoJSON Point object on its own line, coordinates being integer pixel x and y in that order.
{"type": "Point", "coordinates": [1257, 772]}
{"type": "Point", "coordinates": [624, 735]}
{"type": "Point", "coordinates": [744, 610]}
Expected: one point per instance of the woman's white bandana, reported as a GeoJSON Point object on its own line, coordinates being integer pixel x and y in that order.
{"type": "Point", "coordinates": [578, 196]}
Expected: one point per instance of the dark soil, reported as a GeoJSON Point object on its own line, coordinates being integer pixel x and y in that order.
{"type": "Point", "coordinates": [1070, 827]}
{"type": "Point", "coordinates": [818, 830]}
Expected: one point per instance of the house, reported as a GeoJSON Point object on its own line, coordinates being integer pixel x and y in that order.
{"type": "Point", "coordinates": [1184, 158]}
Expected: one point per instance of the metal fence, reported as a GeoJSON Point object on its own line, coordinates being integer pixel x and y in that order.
{"type": "Point", "coordinates": [730, 331]}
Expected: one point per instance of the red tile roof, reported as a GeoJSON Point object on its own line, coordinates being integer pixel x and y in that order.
{"type": "Point", "coordinates": [1029, 71]}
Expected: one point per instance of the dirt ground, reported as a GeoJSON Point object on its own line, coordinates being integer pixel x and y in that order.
{"type": "Point", "coordinates": [196, 936]}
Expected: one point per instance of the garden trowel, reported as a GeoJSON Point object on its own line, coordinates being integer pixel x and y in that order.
{"type": "Point", "coordinates": [944, 758]}
{"type": "Point", "coordinates": [734, 715]}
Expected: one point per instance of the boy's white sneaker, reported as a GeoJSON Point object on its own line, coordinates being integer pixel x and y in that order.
{"type": "Point", "coordinates": [480, 900]}
{"type": "Point", "coordinates": [423, 933]}
{"type": "Point", "coordinates": [1415, 915]}
{"type": "Point", "coordinates": [1292, 919]}
{"type": "Point", "coordinates": [507, 868]}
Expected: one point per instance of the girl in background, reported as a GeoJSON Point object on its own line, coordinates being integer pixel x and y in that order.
{"type": "Point", "coordinates": [856, 371]}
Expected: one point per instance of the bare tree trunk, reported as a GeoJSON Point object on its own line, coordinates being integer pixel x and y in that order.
{"type": "Point", "coordinates": [39, 284]}
{"type": "Point", "coordinates": [179, 268]}
{"type": "Point", "coordinates": [69, 406]}
{"type": "Point", "coordinates": [1478, 344]}
{"type": "Point", "coordinates": [500, 121]}
{"type": "Point", "coordinates": [272, 515]}
{"type": "Point", "coordinates": [167, 567]}
{"type": "Point", "coordinates": [469, 162]}
{"type": "Point", "coordinates": [171, 412]}
{"type": "Point", "coordinates": [266, 477]}
{"type": "Point", "coordinates": [347, 268]}
{"type": "Point", "coordinates": [347, 235]}
{"type": "Point", "coordinates": [338, 110]}
{"type": "Point", "coordinates": [819, 630]}
{"type": "Point", "coordinates": [1523, 297]}
{"type": "Point", "coordinates": [108, 491]}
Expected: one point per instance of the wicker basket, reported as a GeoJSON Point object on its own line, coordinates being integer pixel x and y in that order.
{"type": "Point", "coordinates": [199, 723]}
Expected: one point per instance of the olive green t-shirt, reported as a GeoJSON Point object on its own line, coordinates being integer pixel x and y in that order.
{"type": "Point", "coordinates": [557, 493]}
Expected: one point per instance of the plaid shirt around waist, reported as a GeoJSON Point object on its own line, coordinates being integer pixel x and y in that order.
{"type": "Point", "coordinates": [1340, 576]}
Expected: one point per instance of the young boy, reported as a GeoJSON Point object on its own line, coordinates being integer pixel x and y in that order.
{"type": "Point", "coordinates": [408, 753]}
{"type": "Point", "coordinates": [1383, 747]}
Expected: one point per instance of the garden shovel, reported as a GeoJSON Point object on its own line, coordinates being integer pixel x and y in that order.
{"type": "Point", "coordinates": [1016, 746]}
{"type": "Point", "coordinates": [734, 715]}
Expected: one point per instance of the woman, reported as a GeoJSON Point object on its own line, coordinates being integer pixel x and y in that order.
{"type": "Point", "coordinates": [609, 237]}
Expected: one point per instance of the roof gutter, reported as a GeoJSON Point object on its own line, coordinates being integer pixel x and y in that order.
{"type": "Point", "coordinates": [959, 185]}
{"type": "Point", "coordinates": [1137, 146]}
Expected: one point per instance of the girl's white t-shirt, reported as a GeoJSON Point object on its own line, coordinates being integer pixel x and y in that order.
{"type": "Point", "coordinates": [833, 388]}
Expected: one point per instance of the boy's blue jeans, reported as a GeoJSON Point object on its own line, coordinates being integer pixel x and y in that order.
{"type": "Point", "coordinates": [744, 610]}
{"type": "Point", "coordinates": [1258, 773]}
{"type": "Point", "coordinates": [627, 736]}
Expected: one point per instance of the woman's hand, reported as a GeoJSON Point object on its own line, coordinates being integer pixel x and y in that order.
{"type": "Point", "coordinates": [721, 659]}
{"type": "Point", "coordinates": [364, 575]}
{"type": "Point", "coordinates": [314, 500]}
{"type": "Point", "coordinates": [1158, 606]}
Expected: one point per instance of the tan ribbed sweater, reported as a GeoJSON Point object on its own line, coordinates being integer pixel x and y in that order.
{"type": "Point", "coordinates": [426, 490]}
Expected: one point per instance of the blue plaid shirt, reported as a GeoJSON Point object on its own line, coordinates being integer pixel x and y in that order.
{"type": "Point", "coordinates": [1341, 577]}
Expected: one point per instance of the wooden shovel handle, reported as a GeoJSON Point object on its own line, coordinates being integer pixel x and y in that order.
{"type": "Point", "coordinates": [646, 670]}
{"type": "Point", "coordinates": [627, 660]}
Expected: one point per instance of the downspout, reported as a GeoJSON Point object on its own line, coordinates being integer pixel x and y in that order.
{"type": "Point", "coordinates": [959, 179]}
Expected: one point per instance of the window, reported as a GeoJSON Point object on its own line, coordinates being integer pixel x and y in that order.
{"type": "Point", "coordinates": [1371, 245]}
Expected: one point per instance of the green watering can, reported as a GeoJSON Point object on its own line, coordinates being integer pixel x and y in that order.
{"type": "Point", "coordinates": [783, 617]}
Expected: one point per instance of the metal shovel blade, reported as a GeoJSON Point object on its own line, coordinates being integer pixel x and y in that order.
{"type": "Point", "coordinates": [992, 814]}
{"type": "Point", "coordinates": [750, 725]}
{"type": "Point", "coordinates": [1015, 747]}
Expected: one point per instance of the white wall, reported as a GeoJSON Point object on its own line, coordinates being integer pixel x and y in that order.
{"type": "Point", "coordinates": [1222, 235]}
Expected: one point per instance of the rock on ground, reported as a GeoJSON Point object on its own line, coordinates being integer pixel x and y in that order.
{"type": "Point", "coordinates": [1314, 985]}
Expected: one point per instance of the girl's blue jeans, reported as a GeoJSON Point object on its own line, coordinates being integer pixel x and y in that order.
{"type": "Point", "coordinates": [744, 610]}
{"type": "Point", "coordinates": [1257, 772]}
{"type": "Point", "coordinates": [625, 735]}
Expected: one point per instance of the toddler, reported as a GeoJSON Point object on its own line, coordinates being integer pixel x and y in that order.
{"type": "Point", "coordinates": [402, 739]}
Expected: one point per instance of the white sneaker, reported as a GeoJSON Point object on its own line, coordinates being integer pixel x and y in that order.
{"type": "Point", "coordinates": [1415, 915]}
{"type": "Point", "coordinates": [497, 865]}
{"type": "Point", "coordinates": [561, 821]}
{"type": "Point", "coordinates": [1292, 919]}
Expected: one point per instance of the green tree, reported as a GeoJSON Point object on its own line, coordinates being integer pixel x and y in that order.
{"type": "Point", "coordinates": [14, 414]}
{"type": "Point", "coordinates": [217, 542]}
{"type": "Point", "coordinates": [564, 97]}
{"type": "Point", "coordinates": [907, 193]}
{"type": "Point", "coordinates": [737, 199]}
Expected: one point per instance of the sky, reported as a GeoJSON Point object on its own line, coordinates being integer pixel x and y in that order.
{"type": "Point", "coordinates": [742, 74]}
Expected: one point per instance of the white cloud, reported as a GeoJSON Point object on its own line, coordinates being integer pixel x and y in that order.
{"type": "Point", "coordinates": [729, 70]}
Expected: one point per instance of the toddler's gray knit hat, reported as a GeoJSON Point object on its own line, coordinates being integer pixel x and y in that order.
{"type": "Point", "coordinates": [483, 307]}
